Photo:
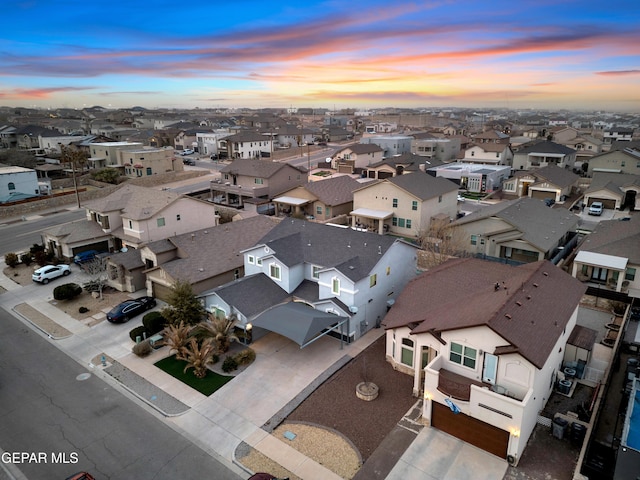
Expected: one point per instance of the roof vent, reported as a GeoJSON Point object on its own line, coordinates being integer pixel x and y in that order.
{"type": "Point", "coordinates": [519, 303]}
{"type": "Point", "coordinates": [546, 274]}
{"type": "Point", "coordinates": [379, 250]}
{"type": "Point", "coordinates": [535, 285]}
{"type": "Point", "coordinates": [351, 267]}
{"type": "Point", "coordinates": [528, 297]}
{"type": "Point", "coordinates": [508, 316]}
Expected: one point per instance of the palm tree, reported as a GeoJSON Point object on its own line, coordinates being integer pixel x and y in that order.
{"type": "Point", "coordinates": [177, 337]}
{"type": "Point", "coordinates": [219, 329]}
{"type": "Point", "coordinates": [198, 356]}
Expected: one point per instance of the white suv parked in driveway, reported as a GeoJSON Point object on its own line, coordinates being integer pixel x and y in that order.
{"type": "Point", "coordinates": [596, 208]}
{"type": "Point", "coordinates": [49, 272]}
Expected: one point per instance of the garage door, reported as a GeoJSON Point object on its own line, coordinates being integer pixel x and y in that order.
{"type": "Point", "coordinates": [161, 292]}
{"type": "Point", "coordinates": [468, 429]}
{"type": "Point", "coordinates": [607, 203]}
{"type": "Point", "coordinates": [542, 194]}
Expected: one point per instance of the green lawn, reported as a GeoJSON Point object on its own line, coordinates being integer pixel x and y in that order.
{"type": "Point", "coordinates": [206, 385]}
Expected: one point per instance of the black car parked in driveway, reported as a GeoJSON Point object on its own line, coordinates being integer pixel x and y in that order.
{"type": "Point", "coordinates": [128, 309]}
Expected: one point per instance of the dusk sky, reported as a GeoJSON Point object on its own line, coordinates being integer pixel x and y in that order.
{"type": "Point", "coordinates": [331, 54]}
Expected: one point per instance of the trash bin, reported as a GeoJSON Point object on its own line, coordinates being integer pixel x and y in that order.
{"type": "Point", "coordinates": [578, 432]}
{"type": "Point", "coordinates": [559, 427]}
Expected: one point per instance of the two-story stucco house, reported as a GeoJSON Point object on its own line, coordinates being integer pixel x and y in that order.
{"type": "Point", "coordinates": [145, 162]}
{"type": "Point", "coordinates": [610, 256]}
{"type": "Point", "coordinates": [253, 181]}
{"type": "Point", "coordinates": [246, 144]}
{"type": "Point", "coordinates": [404, 204]}
{"type": "Point", "coordinates": [616, 161]}
{"type": "Point", "coordinates": [356, 157]}
{"type": "Point", "coordinates": [107, 154]}
{"type": "Point", "coordinates": [135, 216]}
{"type": "Point", "coordinates": [489, 154]}
{"type": "Point", "coordinates": [484, 342]}
{"type": "Point", "coordinates": [18, 180]}
{"type": "Point", "coordinates": [306, 279]}
{"type": "Point", "coordinates": [542, 154]}
{"type": "Point", "coordinates": [521, 230]}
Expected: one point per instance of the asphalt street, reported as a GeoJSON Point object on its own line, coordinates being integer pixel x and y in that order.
{"type": "Point", "coordinates": [67, 420]}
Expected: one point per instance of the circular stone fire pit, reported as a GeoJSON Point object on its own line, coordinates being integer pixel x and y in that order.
{"type": "Point", "coordinates": [367, 391]}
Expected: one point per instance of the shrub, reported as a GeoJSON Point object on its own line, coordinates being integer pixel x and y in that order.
{"type": "Point", "coordinates": [245, 357]}
{"type": "Point", "coordinates": [36, 247]}
{"type": "Point", "coordinates": [229, 364]}
{"type": "Point", "coordinates": [11, 259]}
{"type": "Point", "coordinates": [40, 257]}
{"type": "Point", "coordinates": [142, 349]}
{"type": "Point", "coordinates": [67, 291]}
{"type": "Point", "coordinates": [154, 322]}
{"type": "Point", "coordinates": [26, 258]}
{"type": "Point", "coordinates": [140, 331]}
{"type": "Point", "coordinates": [83, 310]}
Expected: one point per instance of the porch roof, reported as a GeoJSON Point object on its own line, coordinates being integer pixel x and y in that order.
{"type": "Point", "coordinates": [369, 213]}
{"type": "Point", "coordinates": [291, 200]}
{"type": "Point", "coordinates": [297, 321]}
{"type": "Point", "coordinates": [602, 260]}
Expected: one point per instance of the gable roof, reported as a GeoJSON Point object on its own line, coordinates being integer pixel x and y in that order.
{"type": "Point", "coordinates": [614, 182]}
{"type": "Point", "coordinates": [353, 253]}
{"type": "Point", "coordinates": [210, 252]}
{"type": "Point", "coordinates": [560, 177]}
{"type": "Point", "coordinates": [256, 167]}
{"type": "Point", "coordinates": [334, 191]}
{"type": "Point", "coordinates": [252, 294]}
{"type": "Point", "coordinates": [77, 231]}
{"type": "Point", "coordinates": [547, 147]}
{"type": "Point", "coordinates": [540, 225]}
{"type": "Point", "coordinates": [530, 309]}
{"type": "Point", "coordinates": [361, 148]}
{"type": "Point", "coordinates": [613, 237]}
{"type": "Point", "coordinates": [134, 202]}
{"type": "Point", "coordinates": [422, 185]}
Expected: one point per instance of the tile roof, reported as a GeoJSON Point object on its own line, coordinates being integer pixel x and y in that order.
{"type": "Point", "coordinates": [540, 225]}
{"type": "Point", "coordinates": [613, 237]}
{"type": "Point", "coordinates": [210, 252]}
{"type": "Point", "coordinates": [530, 309]}
{"type": "Point", "coordinates": [353, 253]}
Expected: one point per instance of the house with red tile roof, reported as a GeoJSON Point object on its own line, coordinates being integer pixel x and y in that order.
{"type": "Point", "coordinates": [484, 342]}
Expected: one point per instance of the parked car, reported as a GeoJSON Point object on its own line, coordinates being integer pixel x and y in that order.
{"type": "Point", "coordinates": [596, 208]}
{"type": "Point", "coordinates": [189, 161]}
{"type": "Point", "coordinates": [86, 256]}
{"type": "Point", "coordinates": [128, 309]}
{"type": "Point", "coordinates": [187, 151]}
{"type": "Point", "coordinates": [461, 199]}
{"type": "Point", "coordinates": [549, 202]}
{"type": "Point", "coordinates": [49, 272]}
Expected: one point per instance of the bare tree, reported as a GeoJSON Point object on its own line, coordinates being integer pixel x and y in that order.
{"type": "Point", "coordinates": [440, 242]}
{"type": "Point", "coordinates": [77, 158]}
{"type": "Point", "coordinates": [96, 269]}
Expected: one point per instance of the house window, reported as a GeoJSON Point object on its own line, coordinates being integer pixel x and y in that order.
{"type": "Point", "coordinates": [406, 355]}
{"type": "Point", "coordinates": [160, 222]}
{"type": "Point", "coordinates": [401, 222]}
{"type": "Point", "coordinates": [474, 239]}
{"type": "Point", "coordinates": [394, 221]}
{"type": "Point", "coordinates": [622, 164]}
{"type": "Point", "coordinates": [258, 181]}
{"type": "Point", "coordinates": [630, 274]}
{"type": "Point", "coordinates": [335, 286]}
{"type": "Point", "coordinates": [439, 198]}
{"type": "Point", "coordinates": [149, 171]}
{"type": "Point", "coordinates": [315, 271]}
{"type": "Point", "coordinates": [395, 203]}
{"type": "Point", "coordinates": [12, 186]}
{"type": "Point", "coordinates": [408, 223]}
{"type": "Point", "coordinates": [130, 224]}
{"type": "Point", "coordinates": [251, 259]}
{"type": "Point", "coordinates": [259, 262]}
{"type": "Point", "coordinates": [274, 271]}
{"type": "Point", "coordinates": [414, 205]}
{"type": "Point", "coordinates": [373, 280]}
{"type": "Point", "coordinates": [463, 355]}
{"type": "Point", "coordinates": [178, 217]}
{"type": "Point", "coordinates": [388, 270]}
{"type": "Point", "coordinates": [318, 210]}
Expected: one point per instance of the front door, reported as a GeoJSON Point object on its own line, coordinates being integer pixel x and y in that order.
{"type": "Point", "coordinates": [490, 368]}
{"type": "Point", "coordinates": [599, 274]}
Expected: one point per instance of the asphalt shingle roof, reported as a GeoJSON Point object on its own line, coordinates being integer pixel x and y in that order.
{"type": "Point", "coordinates": [613, 237]}
{"type": "Point", "coordinates": [547, 147]}
{"type": "Point", "coordinates": [422, 185]}
{"type": "Point", "coordinates": [560, 177]}
{"type": "Point", "coordinates": [255, 167]}
{"type": "Point", "coordinates": [334, 191]}
{"type": "Point", "coordinates": [253, 294]}
{"type": "Point", "coordinates": [134, 202]}
{"type": "Point", "coordinates": [530, 309]}
{"type": "Point", "coordinates": [79, 231]}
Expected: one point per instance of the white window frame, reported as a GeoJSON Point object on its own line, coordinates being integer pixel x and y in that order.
{"type": "Point", "coordinates": [275, 271]}
{"type": "Point", "coordinates": [251, 259]}
{"type": "Point", "coordinates": [464, 355]}
{"type": "Point", "coordinates": [335, 281]}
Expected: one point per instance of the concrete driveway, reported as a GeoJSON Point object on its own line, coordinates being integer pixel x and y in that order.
{"type": "Point", "coordinates": [435, 455]}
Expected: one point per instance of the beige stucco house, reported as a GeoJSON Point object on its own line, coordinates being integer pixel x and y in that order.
{"type": "Point", "coordinates": [484, 342]}
{"type": "Point", "coordinates": [616, 161]}
{"type": "Point", "coordinates": [404, 204]}
{"type": "Point", "coordinates": [150, 161]}
{"type": "Point", "coordinates": [547, 182]}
